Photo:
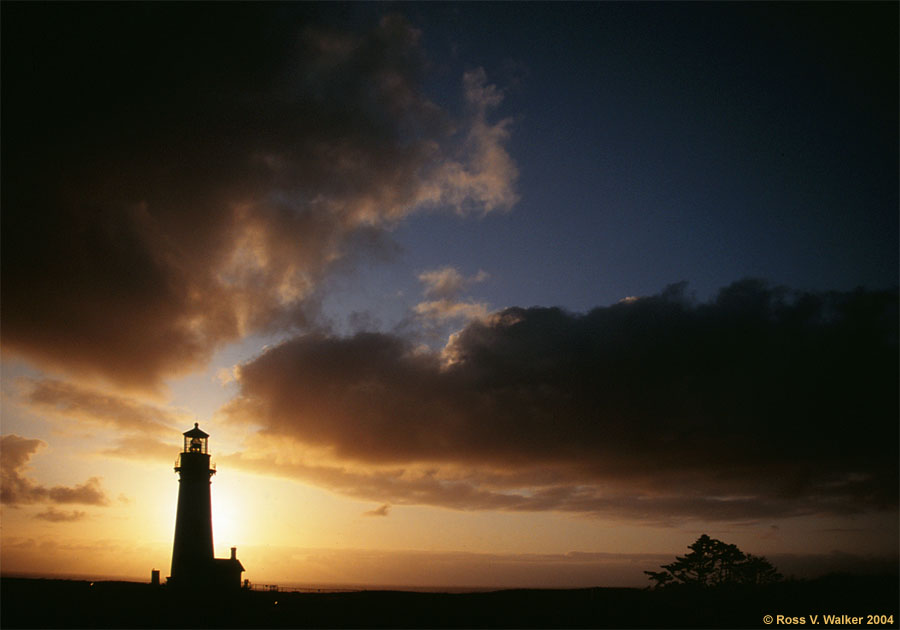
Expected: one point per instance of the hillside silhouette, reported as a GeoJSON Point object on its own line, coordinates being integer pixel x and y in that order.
{"type": "Point", "coordinates": [47, 603]}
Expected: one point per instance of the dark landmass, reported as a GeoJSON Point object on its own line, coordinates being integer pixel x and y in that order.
{"type": "Point", "coordinates": [49, 603]}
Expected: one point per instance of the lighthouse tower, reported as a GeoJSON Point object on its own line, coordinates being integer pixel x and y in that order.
{"type": "Point", "coordinates": [193, 563]}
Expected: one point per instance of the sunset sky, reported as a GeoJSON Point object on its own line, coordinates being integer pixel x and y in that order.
{"type": "Point", "coordinates": [514, 294]}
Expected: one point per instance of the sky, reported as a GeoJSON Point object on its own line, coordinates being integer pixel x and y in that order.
{"type": "Point", "coordinates": [477, 294]}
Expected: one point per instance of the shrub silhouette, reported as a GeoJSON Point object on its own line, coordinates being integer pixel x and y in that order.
{"type": "Point", "coordinates": [712, 562]}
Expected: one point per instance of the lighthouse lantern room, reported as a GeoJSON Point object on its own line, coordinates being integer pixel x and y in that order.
{"type": "Point", "coordinates": [196, 441]}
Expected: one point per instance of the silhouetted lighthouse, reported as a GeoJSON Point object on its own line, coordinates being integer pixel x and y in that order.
{"type": "Point", "coordinates": [193, 563]}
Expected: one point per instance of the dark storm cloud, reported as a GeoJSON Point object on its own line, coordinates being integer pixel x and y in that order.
{"type": "Point", "coordinates": [17, 488]}
{"type": "Point", "coordinates": [176, 176]}
{"type": "Point", "coordinates": [761, 402]}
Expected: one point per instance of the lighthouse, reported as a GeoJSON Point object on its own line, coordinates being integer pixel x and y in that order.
{"type": "Point", "coordinates": [193, 563]}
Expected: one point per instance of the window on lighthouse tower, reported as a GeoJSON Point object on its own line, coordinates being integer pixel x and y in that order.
{"type": "Point", "coordinates": [196, 445]}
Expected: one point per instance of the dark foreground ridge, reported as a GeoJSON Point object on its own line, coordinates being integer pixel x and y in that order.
{"type": "Point", "coordinates": [47, 603]}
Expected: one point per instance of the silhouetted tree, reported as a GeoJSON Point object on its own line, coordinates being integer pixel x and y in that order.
{"type": "Point", "coordinates": [712, 562]}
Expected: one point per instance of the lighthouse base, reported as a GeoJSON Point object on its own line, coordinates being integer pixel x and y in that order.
{"type": "Point", "coordinates": [215, 575]}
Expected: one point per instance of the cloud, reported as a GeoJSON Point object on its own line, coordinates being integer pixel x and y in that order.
{"type": "Point", "coordinates": [485, 177]}
{"type": "Point", "coordinates": [444, 283]}
{"type": "Point", "coordinates": [88, 493]}
{"type": "Point", "coordinates": [56, 516]}
{"type": "Point", "coordinates": [17, 489]}
{"type": "Point", "coordinates": [205, 181]}
{"type": "Point", "coordinates": [447, 283]}
{"type": "Point", "coordinates": [443, 290]}
{"type": "Point", "coordinates": [141, 430]}
{"type": "Point", "coordinates": [86, 405]}
{"type": "Point", "coordinates": [444, 310]}
{"type": "Point", "coordinates": [384, 510]}
{"type": "Point", "coordinates": [15, 451]}
{"type": "Point", "coordinates": [225, 375]}
{"type": "Point", "coordinates": [532, 490]}
{"type": "Point", "coordinates": [760, 403]}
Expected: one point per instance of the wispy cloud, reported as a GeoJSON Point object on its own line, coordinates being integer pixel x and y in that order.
{"type": "Point", "coordinates": [383, 510]}
{"type": "Point", "coordinates": [443, 290]}
{"type": "Point", "coordinates": [56, 516]}
{"type": "Point", "coordinates": [93, 406]}
{"type": "Point", "coordinates": [446, 283]}
{"type": "Point", "coordinates": [141, 430]}
{"type": "Point", "coordinates": [484, 176]}
{"type": "Point", "coordinates": [444, 310]}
